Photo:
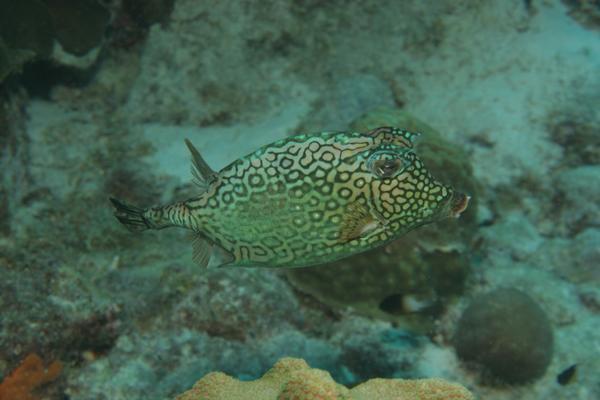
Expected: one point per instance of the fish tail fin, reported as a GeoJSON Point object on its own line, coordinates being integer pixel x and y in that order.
{"type": "Point", "coordinates": [130, 216]}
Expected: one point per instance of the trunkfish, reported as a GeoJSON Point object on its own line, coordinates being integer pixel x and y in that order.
{"type": "Point", "coordinates": [305, 200]}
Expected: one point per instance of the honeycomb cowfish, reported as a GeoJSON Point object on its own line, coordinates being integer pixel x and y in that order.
{"type": "Point", "coordinates": [305, 200]}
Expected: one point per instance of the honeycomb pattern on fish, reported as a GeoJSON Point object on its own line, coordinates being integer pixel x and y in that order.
{"type": "Point", "coordinates": [309, 199]}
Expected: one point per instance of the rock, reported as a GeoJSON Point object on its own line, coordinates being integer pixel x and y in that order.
{"type": "Point", "coordinates": [27, 25]}
{"type": "Point", "coordinates": [14, 156]}
{"type": "Point", "coordinates": [579, 139]}
{"type": "Point", "coordinates": [507, 335]}
{"type": "Point", "coordinates": [147, 12]}
{"type": "Point", "coordinates": [30, 29]}
{"type": "Point", "coordinates": [515, 234]}
{"type": "Point", "coordinates": [575, 259]}
{"type": "Point", "coordinates": [348, 99]}
{"type": "Point", "coordinates": [373, 351]}
{"type": "Point", "coordinates": [12, 60]}
{"type": "Point", "coordinates": [79, 24]}
{"type": "Point", "coordinates": [580, 189]}
{"type": "Point", "coordinates": [223, 307]}
{"type": "Point", "coordinates": [231, 92]}
{"type": "Point", "coordinates": [585, 12]}
{"type": "Point", "coordinates": [584, 251]}
{"type": "Point", "coordinates": [4, 213]}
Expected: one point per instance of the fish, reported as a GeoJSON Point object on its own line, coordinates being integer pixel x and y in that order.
{"type": "Point", "coordinates": [305, 200]}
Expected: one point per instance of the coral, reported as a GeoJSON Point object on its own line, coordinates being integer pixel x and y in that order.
{"type": "Point", "coordinates": [417, 274]}
{"type": "Point", "coordinates": [408, 389]}
{"type": "Point", "coordinates": [27, 377]}
{"type": "Point", "coordinates": [293, 379]}
{"type": "Point", "coordinates": [507, 334]}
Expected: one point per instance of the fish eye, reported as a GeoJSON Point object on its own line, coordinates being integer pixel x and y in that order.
{"type": "Point", "coordinates": [386, 168]}
{"type": "Point", "coordinates": [386, 164]}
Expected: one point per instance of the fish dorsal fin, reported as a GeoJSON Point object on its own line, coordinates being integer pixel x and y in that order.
{"type": "Point", "coordinates": [203, 174]}
{"type": "Point", "coordinates": [357, 222]}
{"type": "Point", "coordinates": [395, 135]}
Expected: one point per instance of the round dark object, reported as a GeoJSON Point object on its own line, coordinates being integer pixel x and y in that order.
{"type": "Point", "coordinates": [507, 335]}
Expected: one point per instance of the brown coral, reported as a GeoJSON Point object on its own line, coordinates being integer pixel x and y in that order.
{"type": "Point", "coordinates": [27, 377]}
{"type": "Point", "coordinates": [293, 379]}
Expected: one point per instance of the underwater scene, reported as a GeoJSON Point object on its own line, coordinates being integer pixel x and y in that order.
{"type": "Point", "coordinates": [299, 200]}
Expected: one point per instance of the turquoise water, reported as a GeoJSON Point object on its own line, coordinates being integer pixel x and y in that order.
{"type": "Point", "coordinates": [97, 98]}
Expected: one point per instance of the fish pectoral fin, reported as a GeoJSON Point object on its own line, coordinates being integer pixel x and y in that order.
{"type": "Point", "coordinates": [203, 174]}
{"type": "Point", "coordinates": [358, 222]}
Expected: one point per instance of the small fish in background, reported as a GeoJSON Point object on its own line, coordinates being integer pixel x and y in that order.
{"type": "Point", "coordinates": [567, 375]}
{"type": "Point", "coordinates": [305, 200]}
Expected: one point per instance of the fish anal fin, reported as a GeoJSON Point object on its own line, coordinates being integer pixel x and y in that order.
{"type": "Point", "coordinates": [209, 255]}
{"type": "Point", "coordinates": [201, 251]}
{"type": "Point", "coordinates": [357, 222]}
{"type": "Point", "coordinates": [220, 257]}
{"type": "Point", "coordinates": [202, 172]}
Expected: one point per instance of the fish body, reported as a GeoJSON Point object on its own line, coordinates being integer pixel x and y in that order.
{"type": "Point", "coordinates": [306, 200]}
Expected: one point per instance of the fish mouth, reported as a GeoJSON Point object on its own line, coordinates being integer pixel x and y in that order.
{"type": "Point", "coordinates": [458, 204]}
{"type": "Point", "coordinates": [452, 207]}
